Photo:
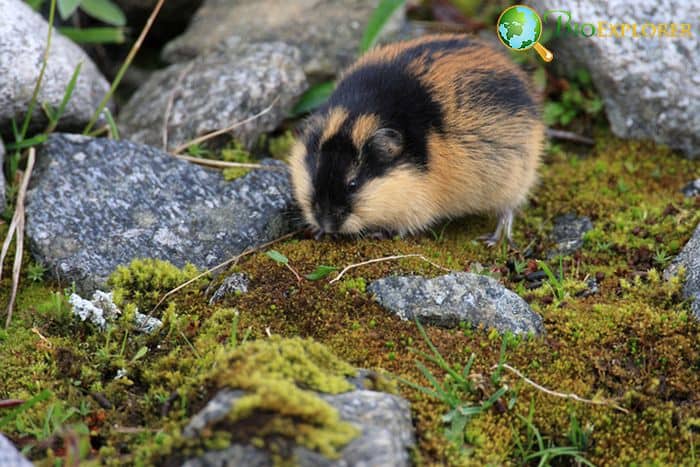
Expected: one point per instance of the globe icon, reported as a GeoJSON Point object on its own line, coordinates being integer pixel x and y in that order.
{"type": "Point", "coordinates": [519, 27]}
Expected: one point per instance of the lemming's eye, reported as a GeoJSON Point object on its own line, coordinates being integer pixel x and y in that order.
{"type": "Point", "coordinates": [352, 184]}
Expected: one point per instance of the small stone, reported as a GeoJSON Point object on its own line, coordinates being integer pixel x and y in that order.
{"type": "Point", "coordinates": [648, 84]}
{"type": "Point", "coordinates": [236, 283]}
{"type": "Point", "coordinates": [692, 189]}
{"type": "Point", "coordinates": [120, 201]}
{"type": "Point", "coordinates": [456, 298]}
{"type": "Point", "coordinates": [22, 46]}
{"type": "Point", "coordinates": [568, 233]}
{"type": "Point", "coordinates": [386, 438]}
{"type": "Point", "coordinates": [234, 83]}
{"type": "Point", "coordinates": [327, 32]}
{"type": "Point", "coordinates": [10, 456]}
{"type": "Point", "coordinates": [689, 258]}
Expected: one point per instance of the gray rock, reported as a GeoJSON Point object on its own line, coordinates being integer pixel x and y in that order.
{"type": "Point", "coordinates": [10, 456]}
{"type": "Point", "coordinates": [2, 177]}
{"type": "Point", "coordinates": [22, 43]}
{"type": "Point", "coordinates": [232, 84]}
{"type": "Point", "coordinates": [236, 283]}
{"type": "Point", "coordinates": [568, 233]}
{"type": "Point", "coordinates": [384, 420]}
{"type": "Point", "coordinates": [689, 258]}
{"type": "Point", "coordinates": [328, 32]}
{"type": "Point", "coordinates": [692, 188]}
{"type": "Point", "coordinates": [454, 298]}
{"type": "Point", "coordinates": [95, 204]}
{"type": "Point", "coordinates": [649, 84]}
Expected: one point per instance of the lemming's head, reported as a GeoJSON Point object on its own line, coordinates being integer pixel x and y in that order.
{"type": "Point", "coordinates": [337, 169]}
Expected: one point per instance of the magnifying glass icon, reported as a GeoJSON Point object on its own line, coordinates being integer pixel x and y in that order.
{"type": "Point", "coordinates": [519, 28]}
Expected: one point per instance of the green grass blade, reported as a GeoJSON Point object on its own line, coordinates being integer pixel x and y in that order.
{"type": "Point", "coordinates": [67, 94]}
{"type": "Point", "coordinates": [105, 11]}
{"type": "Point", "coordinates": [418, 387]}
{"type": "Point", "coordinates": [111, 124]}
{"type": "Point", "coordinates": [27, 143]}
{"type": "Point", "coordinates": [40, 78]}
{"type": "Point", "coordinates": [42, 396]}
{"type": "Point", "coordinates": [96, 35]}
{"type": "Point", "coordinates": [313, 98]}
{"type": "Point", "coordinates": [380, 17]}
{"type": "Point", "coordinates": [67, 7]}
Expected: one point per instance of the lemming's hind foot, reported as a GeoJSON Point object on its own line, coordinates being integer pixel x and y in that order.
{"type": "Point", "coordinates": [504, 230]}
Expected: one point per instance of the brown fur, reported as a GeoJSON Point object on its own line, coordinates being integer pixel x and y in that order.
{"type": "Point", "coordinates": [466, 173]}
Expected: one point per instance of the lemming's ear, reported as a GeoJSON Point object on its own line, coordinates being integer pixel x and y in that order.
{"type": "Point", "coordinates": [387, 142]}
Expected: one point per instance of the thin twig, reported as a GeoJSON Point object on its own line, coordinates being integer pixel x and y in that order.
{"type": "Point", "coordinates": [569, 136]}
{"type": "Point", "coordinates": [294, 271]}
{"type": "Point", "coordinates": [233, 126]}
{"type": "Point", "coordinates": [127, 62]}
{"type": "Point", "coordinates": [221, 265]}
{"type": "Point", "coordinates": [224, 164]}
{"type": "Point", "coordinates": [386, 258]}
{"type": "Point", "coordinates": [605, 402]}
{"type": "Point", "coordinates": [19, 234]}
{"type": "Point", "coordinates": [171, 102]}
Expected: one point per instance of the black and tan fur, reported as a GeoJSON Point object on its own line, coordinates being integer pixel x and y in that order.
{"type": "Point", "coordinates": [416, 132]}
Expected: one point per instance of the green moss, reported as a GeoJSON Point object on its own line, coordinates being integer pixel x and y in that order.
{"type": "Point", "coordinates": [233, 173]}
{"type": "Point", "coordinates": [280, 146]}
{"type": "Point", "coordinates": [145, 281]}
{"type": "Point", "coordinates": [359, 284]}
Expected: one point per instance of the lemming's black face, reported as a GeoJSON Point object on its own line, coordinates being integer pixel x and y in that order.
{"type": "Point", "coordinates": [334, 187]}
{"type": "Point", "coordinates": [341, 170]}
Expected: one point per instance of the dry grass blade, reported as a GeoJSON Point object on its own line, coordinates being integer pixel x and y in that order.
{"type": "Point", "coordinates": [223, 164]}
{"type": "Point", "coordinates": [18, 222]}
{"type": "Point", "coordinates": [233, 126]}
{"type": "Point", "coordinates": [572, 396]}
{"type": "Point", "coordinates": [569, 136]}
{"type": "Point", "coordinates": [231, 260]}
{"type": "Point", "coordinates": [127, 62]}
{"type": "Point", "coordinates": [386, 258]}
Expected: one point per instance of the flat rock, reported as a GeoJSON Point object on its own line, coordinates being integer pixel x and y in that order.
{"type": "Point", "coordinates": [692, 188]}
{"type": "Point", "coordinates": [3, 201]}
{"type": "Point", "coordinates": [22, 43]}
{"type": "Point", "coordinates": [689, 258]}
{"type": "Point", "coordinates": [327, 32]}
{"type": "Point", "coordinates": [233, 83]}
{"type": "Point", "coordinates": [384, 420]}
{"type": "Point", "coordinates": [10, 456]}
{"type": "Point", "coordinates": [94, 204]}
{"type": "Point", "coordinates": [568, 233]}
{"type": "Point", "coordinates": [455, 298]}
{"type": "Point", "coordinates": [649, 84]}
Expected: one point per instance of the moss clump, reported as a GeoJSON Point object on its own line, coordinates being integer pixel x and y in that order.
{"type": "Point", "coordinates": [145, 281]}
{"type": "Point", "coordinates": [279, 376]}
{"type": "Point", "coordinates": [280, 146]}
{"type": "Point", "coordinates": [233, 173]}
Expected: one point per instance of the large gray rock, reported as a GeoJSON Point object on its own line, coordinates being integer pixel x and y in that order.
{"type": "Point", "coordinates": [649, 84]}
{"type": "Point", "coordinates": [455, 298]}
{"type": "Point", "coordinates": [229, 85]}
{"type": "Point", "coordinates": [10, 456]}
{"type": "Point", "coordinates": [384, 420]}
{"type": "Point", "coordinates": [689, 258]}
{"type": "Point", "coordinates": [95, 204]}
{"type": "Point", "coordinates": [327, 32]}
{"type": "Point", "coordinates": [22, 43]}
{"type": "Point", "coordinates": [2, 177]}
{"type": "Point", "coordinates": [568, 233]}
